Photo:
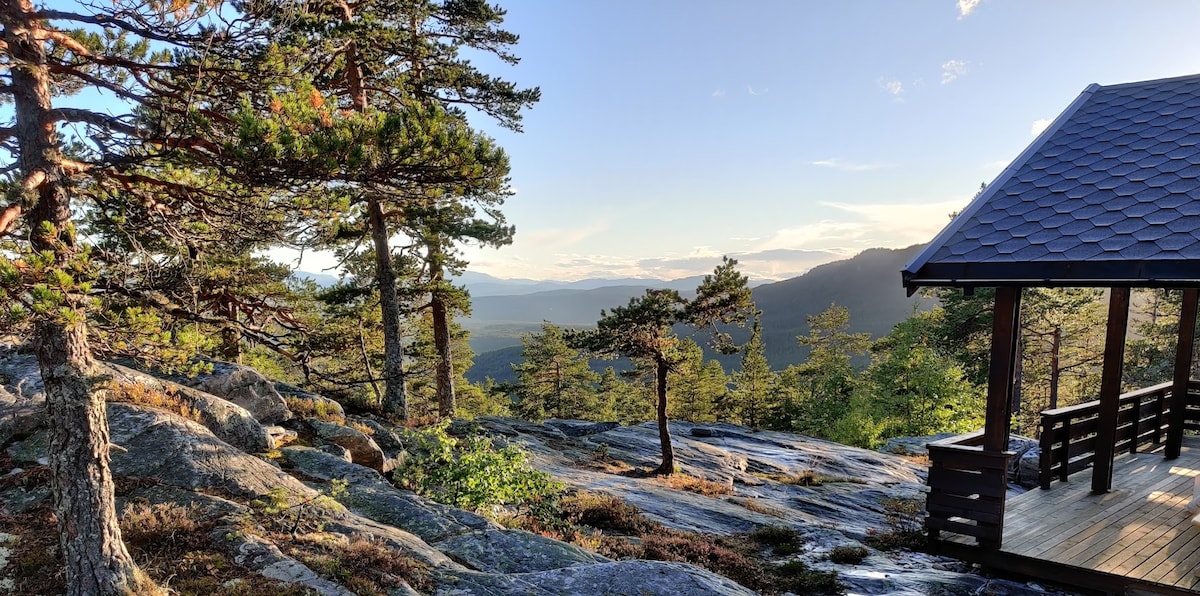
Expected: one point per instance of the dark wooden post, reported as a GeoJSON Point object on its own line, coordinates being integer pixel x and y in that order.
{"type": "Point", "coordinates": [1183, 369]}
{"type": "Point", "coordinates": [1005, 327]}
{"type": "Point", "coordinates": [1110, 389]}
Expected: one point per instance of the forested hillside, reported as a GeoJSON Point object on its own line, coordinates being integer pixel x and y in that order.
{"type": "Point", "coordinates": [868, 285]}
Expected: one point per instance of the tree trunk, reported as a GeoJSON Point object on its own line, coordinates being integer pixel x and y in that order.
{"type": "Point", "coordinates": [395, 394]}
{"type": "Point", "coordinates": [664, 433]}
{"type": "Point", "coordinates": [94, 557]}
{"type": "Point", "coordinates": [444, 372]}
{"type": "Point", "coordinates": [231, 338]}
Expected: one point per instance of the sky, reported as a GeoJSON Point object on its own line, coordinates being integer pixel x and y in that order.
{"type": "Point", "coordinates": [788, 133]}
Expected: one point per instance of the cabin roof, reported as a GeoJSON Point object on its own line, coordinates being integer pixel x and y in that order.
{"type": "Point", "coordinates": [1108, 195]}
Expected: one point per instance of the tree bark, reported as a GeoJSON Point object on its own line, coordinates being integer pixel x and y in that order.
{"type": "Point", "coordinates": [444, 372]}
{"type": "Point", "coordinates": [94, 557]}
{"type": "Point", "coordinates": [664, 433]}
{"type": "Point", "coordinates": [395, 392]}
{"type": "Point", "coordinates": [231, 338]}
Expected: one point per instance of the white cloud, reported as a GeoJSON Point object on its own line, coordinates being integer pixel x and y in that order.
{"type": "Point", "coordinates": [901, 224]}
{"type": "Point", "coordinates": [893, 86]}
{"type": "Point", "coordinates": [757, 92]}
{"type": "Point", "coordinates": [1039, 125]}
{"type": "Point", "coordinates": [953, 69]}
{"type": "Point", "coordinates": [966, 7]}
{"type": "Point", "coordinates": [845, 166]}
{"type": "Point", "coordinates": [718, 93]}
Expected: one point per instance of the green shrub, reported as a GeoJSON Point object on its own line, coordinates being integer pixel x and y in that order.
{"type": "Point", "coordinates": [470, 472]}
{"type": "Point", "coordinates": [798, 578]}
{"type": "Point", "coordinates": [848, 555]}
{"type": "Point", "coordinates": [782, 539]}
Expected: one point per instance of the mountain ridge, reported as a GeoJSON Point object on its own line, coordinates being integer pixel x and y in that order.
{"type": "Point", "coordinates": [868, 285]}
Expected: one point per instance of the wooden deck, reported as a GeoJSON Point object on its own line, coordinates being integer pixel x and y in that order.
{"type": "Point", "coordinates": [1138, 537]}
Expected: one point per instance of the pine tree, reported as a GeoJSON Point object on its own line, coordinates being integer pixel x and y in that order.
{"type": "Point", "coordinates": [825, 382]}
{"type": "Point", "coordinates": [383, 125]}
{"type": "Point", "coordinates": [643, 330]}
{"type": "Point", "coordinates": [554, 379]}
{"type": "Point", "coordinates": [697, 386]}
{"type": "Point", "coordinates": [750, 402]}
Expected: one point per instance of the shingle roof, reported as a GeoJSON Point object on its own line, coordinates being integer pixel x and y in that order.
{"type": "Point", "coordinates": [1109, 195]}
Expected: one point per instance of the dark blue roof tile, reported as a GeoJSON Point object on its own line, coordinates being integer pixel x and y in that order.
{"type": "Point", "coordinates": [1063, 244]}
{"type": "Point", "coordinates": [1026, 229]}
{"type": "Point", "coordinates": [1126, 167]}
{"type": "Point", "coordinates": [1117, 205]}
{"type": "Point", "coordinates": [1143, 144]}
{"type": "Point", "coordinates": [1011, 246]}
{"type": "Point", "coordinates": [980, 254]}
{"type": "Point", "coordinates": [1076, 227]}
{"type": "Point", "coordinates": [1184, 223]}
{"type": "Point", "coordinates": [1139, 210]}
{"type": "Point", "coordinates": [1183, 186]}
{"type": "Point", "coordinates": [1043, 236]}
{"type": "Point", "coordinates": [1082, 252]}
{"type": "Point", "coordinates": [990, 216]}
{"type": "Point", "coordinates": [1023, 207]}
{"type": "Point", "coordinates": [1151, 233]}
{"type": "Point", "coordinates": [1096, 234]}
{"type": "Point", "coordinates": [1129, 189]}
{"type": "Point", "coordinates": [1128, 226]}
{"type": "Point", "coordinates": [1117, 243]}
{"type": "Point", "coordinates": [1030, 252]}
{"type": "Point", "coordinates": [1114, 151]}
{"type": "Point", "coordinates": [1039, 216]}
{"type": "Point", "coordinates": [1008, 223]}
{"type": "Point", "coordinates": [1189, 207]}
{"type": "Point", "coordinates": [1057, 221]}
{"type": "Point", "coordinates": [994, 238]}
{"type": "Point", "coordinates": [1174, 242]}
{"type": "Point", "coordinates": [1141, 250]}
{"type": "Point", "coordinates": [1162, 179]}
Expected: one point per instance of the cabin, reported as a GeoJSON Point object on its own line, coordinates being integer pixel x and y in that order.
{"type": "Point", "coordinates": [1108, 196]}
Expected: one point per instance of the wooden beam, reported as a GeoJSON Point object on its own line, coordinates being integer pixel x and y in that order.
{"type": "Point", "coordinates": [1183, 370]}
{"type": "Point", "coordinates": [1006, 324]}
{"type": "Point", "coordinates": [1110, 389]}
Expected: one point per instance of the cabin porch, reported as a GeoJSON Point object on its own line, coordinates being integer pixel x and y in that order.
{"type": "Point", "coordinates": [1136, 538]}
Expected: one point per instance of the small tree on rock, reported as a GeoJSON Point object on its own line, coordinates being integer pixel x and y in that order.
{"type": "Point", "coordinates": [643, 330]}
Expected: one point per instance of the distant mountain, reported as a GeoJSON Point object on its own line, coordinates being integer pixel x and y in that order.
{"type": "Point", "coordinates": [482, 284]}
{"type": "Point", "coordinates": [323, 280]}
{"type": "Point", "coordinates": [867, 284]}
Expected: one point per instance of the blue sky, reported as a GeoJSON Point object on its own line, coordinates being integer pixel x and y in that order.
{"type": "Point", "coordinates": [789, 133]}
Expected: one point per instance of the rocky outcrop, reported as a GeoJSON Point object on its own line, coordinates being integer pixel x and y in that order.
{"type": "Point", "coordinates": [471, 539]}
{"type": "Point", "coordinates": [258, 554]}
{"type": "Point", "coordinates": [618, 577]}
{"type": "Point", "coordinates": [176, 451]}
{"type": "Point", "coordinates": [832, 494]}
{"type": "Point", "coordinates": [245, 387]}
{"type": "Point", "coordinates": [22, 398]}
{"type": "Point", "coordinates": [363, 450]}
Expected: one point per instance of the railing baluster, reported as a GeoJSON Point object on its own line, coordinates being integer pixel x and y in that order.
{"type": "Point", "coordinates": [1044, 457]}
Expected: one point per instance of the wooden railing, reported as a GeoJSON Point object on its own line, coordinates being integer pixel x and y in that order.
{"type": "Point", "coordinates": [967, 486]}
{"type": "Point", "coordinates": [1068, 441]}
